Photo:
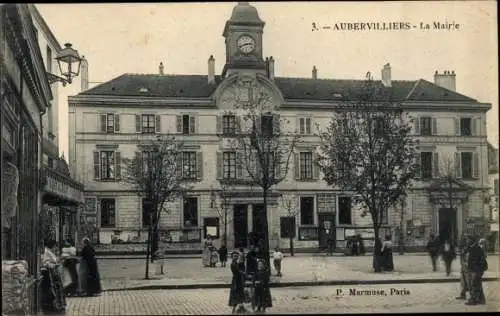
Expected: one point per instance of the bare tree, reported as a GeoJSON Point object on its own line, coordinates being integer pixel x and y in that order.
{"type": "Point", "coordinates": [221, 202]}
{"type": "Point", "coordinates": [264, 148]}
{"type": "Point", "coordinates": [154, 174]}
{"type": "Point", "coordinates": [367, 149]}
{"type": "Point", "coordinates": [291, 206]}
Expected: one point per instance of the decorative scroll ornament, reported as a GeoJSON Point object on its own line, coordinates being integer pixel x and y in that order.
{"type": "Point", "coordinates": [9, 194]}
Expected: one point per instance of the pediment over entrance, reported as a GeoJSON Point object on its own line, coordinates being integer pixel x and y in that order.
{"type": "Point", "coordinates": [448, 191]}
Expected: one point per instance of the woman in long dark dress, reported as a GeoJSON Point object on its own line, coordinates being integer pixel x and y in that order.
{"type": "Point", "coordinates": [387, 254]}
{"type": "Point", "coordinates": [70, 262]}
{"type": "Point", "coordinates": [237, 292]}
{"type": "Point", "coordinates": [448, 255]}
{"type": "Point", "coordinates": [92, 284]}
{"type": "Point", "coordinates": [52, 291]}
{"type": "Point", "coordinates": [262, 294]}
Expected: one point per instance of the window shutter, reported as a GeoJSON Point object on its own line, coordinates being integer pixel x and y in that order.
{"type": "Point", "coordinates": [315, 166]}
{"type": "Point", "coordinates": [417, 125]}
{"type": "Point", "coordinates": [192, 124]}
{"type": "Point", "coordinates": [97, 166]}
{"type": "Point", "coordinates": [138, 159]}
{"type": "Point", "coordinates": [418, 163]}
{"type": "Point", "coordinates": [435, 165]}
{"type": "Point", "coordinates": [158, 123]}
{"type": "Point", "coordinates": [257, 122]}
{"type": "Point", "coordinates": [238, 124]}
{"type": "Point", "coordinates": [138, 125]}
{"type": "Point", "coordinates": [179, 166]}
{"type": "Point", "coordinates": [475, 126]}
{"type": "Point", "coordinates": [258, 167]}
{"type": "Point", "coordinates": [433, 126]}
{"type": "Point", "coordinates": [296, 165]}
{"type": "Point", "coordinates": [219, 165]}
{"type": "Point", "coordinates": [276, 124]}
{"type": "Point", "coordinates": [219, 124]}
{"type": "Point", "coordinates": [457, 126]}
{"type": "Point", "coordinates": [118, 166]}
{"type": "Point", "coordinates": [308, 125]}
{"type": "Point", "coordinates": [475, 165]}
{"type": "Point", "coordinates": [103, 122]}
{"type": "Point", "coordinates": [300, 124]}
{"type": "Point", "coordinates": [117, 122]}
{"type": "Point", "coordinates": [199, 160]}
{"type": "Point", "coordinates": [178, 119]}
{"type": "Point", "coordinates": [458, 165]}
{"type": "Point", "coordinates": [239, 165]}
{"type": "Point", "coordinates": [277, 167]}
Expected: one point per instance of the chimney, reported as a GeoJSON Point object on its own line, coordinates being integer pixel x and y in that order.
{"type": "Point", "coordinates": [386, 75]}
{"type": "Point", "coordinates": [271, 68]}
{"type": "Point", "coordinates": [315, 73]}
{"type": "Point", "coordinates": [161, 68]}
{"type": "Point", "coordinates": [445, 80]}
{"type": "Point", "coordinates": [84, 73]}
{"type": "Point", "coordinates": [211, 69]}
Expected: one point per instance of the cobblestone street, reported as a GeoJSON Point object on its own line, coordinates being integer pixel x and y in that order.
{"type": "Point", "coordinates": [127, 273]}
{"type": "Point", "coordinates": [422, 298]}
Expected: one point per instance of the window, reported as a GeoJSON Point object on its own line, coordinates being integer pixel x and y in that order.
{"type": "Point", "coordinates": [466, 126]}
{"type": "Point", "coordinates": [466, 162]}
{"type": "Point", "coordinates": [495, 188]}
{"type": "Point", "coordinates": [307, 211]}
{"type": "Point", "coordinates": [385, 216]}
{"type": "Point", "coordinates": [108, 212]}
{"type": "Point", "coordinates": [229, 161]}
{"type": "Point", "coordinates": [426, 164]}
{"type": "Point", "coordinates": [287, 227]}
{"type": "Point", "coordinates": [306, 166]}
{"type": "Point", "coordinates": [146, 213]}
{"type": "Point", "coordinates": [345, 213]}
{"type": "Point", "coordinates": [110, 123]}
{"type": "Point", "coordinates": [229, 124]}
{"type": "Point", "coordinates": [185, 124]}
{"type": "Point", "coordinates": [425, 126]}
{"type": "Point", "coordinates": [50, 162]}
{"type": "Point", "coordinates": [305, 125]}
{"type": "Point", "coordinates": [190, 212]}
{"type": "Point", "coordinates": [189, 170]}
{"type": "Point", "coordinates": [148, 123]}
{"type": "Point", "coordinates": [267, 125]}
{"type": "Point", "coordinates": [107, 165]}
{"type": "Point", "coordinates": [49, 60]}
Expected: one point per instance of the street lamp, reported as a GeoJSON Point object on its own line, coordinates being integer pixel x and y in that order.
{"type": "Point", "coordinates": [69, 65]}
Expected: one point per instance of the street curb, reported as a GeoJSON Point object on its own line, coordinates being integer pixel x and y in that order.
{"type": "Point", "coordinates": [293, 284]}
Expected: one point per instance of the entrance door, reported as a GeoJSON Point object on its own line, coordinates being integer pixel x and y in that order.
{"type": "Point", "coordinates": [326, 229]}
{"type": "Point", "coordinates": [447, 224]}
{"type": "Point", "coordinates": [240, 225]}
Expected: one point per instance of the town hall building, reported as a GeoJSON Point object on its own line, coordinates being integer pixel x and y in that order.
{"type": "Point", "coordinates": [109, 121]}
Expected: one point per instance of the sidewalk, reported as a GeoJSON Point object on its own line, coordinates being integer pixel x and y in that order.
{"type": "Point", "coordinates": [120, 274]}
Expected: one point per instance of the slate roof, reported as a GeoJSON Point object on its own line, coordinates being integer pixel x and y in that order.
{"type": "Point", "coordinates": [197, 86]}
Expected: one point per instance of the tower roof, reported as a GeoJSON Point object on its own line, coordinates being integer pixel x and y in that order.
{"type": "Point", "coordinates": [244, 12]}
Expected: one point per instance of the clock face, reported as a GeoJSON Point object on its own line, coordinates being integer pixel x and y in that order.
{"type": "Point", "coordinates": [246, 44]}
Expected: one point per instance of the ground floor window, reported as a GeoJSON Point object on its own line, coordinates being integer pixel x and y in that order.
{"type": "Point", "coordinates": [307, 211]}
{"type": "Point", "coordinates": [190, 211]}
{"type": "Point", "coordinates": [108, 212]}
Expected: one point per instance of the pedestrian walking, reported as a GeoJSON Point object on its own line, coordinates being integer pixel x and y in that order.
{"type": "Point", "coordinates": [329, 245]}
{"type": "Point", "coordinates": [52, 291]}
{"type": "Point", "coordinates": [205, 260]}
{"type": "Point", "coordinates": [477, 265]}
{"type": "Point", "coordinates": [160, 259]}
{"type": "Point", "coordinates": [448, 255]}
{"type": "Point", "coordinates": [214, 256]}
{"type": "Point", "coordinates": [464, 271]}
{"type": "Point", "coordinates": [387, 254]}
{"type": "Point", "coordinates": [484, 245]}
{"type": "Point", "coordinates": [92, 278]}
{"type": "Point", "coordinates": [237, 292]}
{"type": "Point", "coordinates": [433, 250]}
{"type": "Point", "coordinates": [251, 262]}
{"type": "Point", "coordinates": [277, 259]}
{"type": "Point", "coordinates": [223, 255]}
{"type": "Point", "coordinates": [262, 294]}
{"type": "Point", "coordinates": [70, 262]}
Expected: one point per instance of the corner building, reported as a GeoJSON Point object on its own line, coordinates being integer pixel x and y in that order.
{"type": "Point", "coordinates": [107, 122]}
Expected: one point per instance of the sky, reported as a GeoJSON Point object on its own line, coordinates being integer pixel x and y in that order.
{"type": "Point", "coordinates": [118, 38]}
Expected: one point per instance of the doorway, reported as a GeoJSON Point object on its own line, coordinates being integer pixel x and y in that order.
{"type": "Point", "coordinates": [240, 226]}
{"type": "Point", "coordinates": [326, 228]}
{"type": "Point", "coordinates": [447, 224]}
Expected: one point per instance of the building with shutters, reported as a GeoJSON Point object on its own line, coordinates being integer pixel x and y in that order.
{"type": "Point", "coordinates": [111, 119]}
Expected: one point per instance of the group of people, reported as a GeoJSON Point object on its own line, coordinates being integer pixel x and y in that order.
{"type": "Point", "coordinates": [67, 275]}
{"type": "Point", "coordinates": [250, 267]}
{"type": "Point", "coordinates": [211, 255]}
{"type": "Point", "coordinates": [473, 264]}
{"type": "Point", "coordinates": [383, 260]}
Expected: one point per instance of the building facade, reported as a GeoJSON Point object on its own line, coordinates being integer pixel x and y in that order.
{"type": "Point", "coordinates": [109, 121]}
{"type": "Point", "coordinates": [494, 191]}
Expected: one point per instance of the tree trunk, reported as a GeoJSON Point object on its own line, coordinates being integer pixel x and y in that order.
{"type": "Point", "coordinates": [148, 250]}
{"type": "Point", "coordinates": [291, 247]}
{"type": "Point", "coordinates": [266, 231]}
{"type": "Point", "coordinates": [376, 252]}
{"type": "Point", "coordinates": [225, 228]}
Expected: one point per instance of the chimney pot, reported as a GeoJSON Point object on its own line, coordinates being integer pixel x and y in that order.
{"type": "Point", "coordinates": [270, 69]}
{"type": "Point", "coordinates": [446, 80]}
{"type": "Point", "coordinates": [315, 72]}
{"type": "Point", "coordinates": [84, 73]}
{"type": "Point", "coordinates": [211, 69]}
{"type": "Point", "coordinates": [161, 68]}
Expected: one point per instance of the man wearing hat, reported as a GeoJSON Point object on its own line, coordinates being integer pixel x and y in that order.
{"type": "Point", "coordinates": [477, 264]}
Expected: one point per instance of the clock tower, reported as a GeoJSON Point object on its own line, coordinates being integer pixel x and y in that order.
{"type": "Point", "coordinates": [243, 38]}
